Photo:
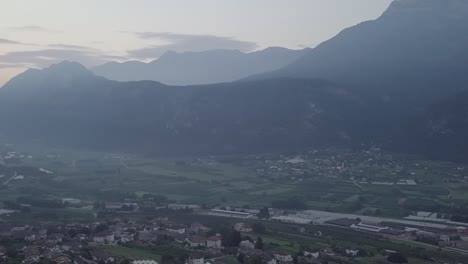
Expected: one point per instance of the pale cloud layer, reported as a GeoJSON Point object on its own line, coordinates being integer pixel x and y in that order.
{"type": "Point", "coordinates": [37, 33]}
{"type": "Point", "coordinates": [33, 28]}
{"type": "Point", "coordinates": [186, 42]}
{"type": "Point", "coordinates": [9, 41]}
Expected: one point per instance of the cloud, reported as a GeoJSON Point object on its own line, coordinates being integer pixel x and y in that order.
{"type": "Point", "coordinates": [45, 57]}
{"type": "Point", "coordinates": [67, 46]}
{"type": "Point", "coordinates": [187, 42]}
{"type": "Point", "coordinates": [34, 28]}
{"type": "Point", "coordinates": [8, 66]}
{"type": "Point", "coordinates": [8, 41]}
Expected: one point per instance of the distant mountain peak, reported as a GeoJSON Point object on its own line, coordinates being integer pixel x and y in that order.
{"type": "Point", "coordinates": [65, 72]}
{"type": "Point", "coordinates": [201, 67]}
{"type": "Point", "coordinates": [68, 67]}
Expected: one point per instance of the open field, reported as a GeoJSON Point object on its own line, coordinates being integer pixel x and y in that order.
{"type": "Point", "coordinates": [132, 253]}
{"type": "Point", "coordinates": [331, 180]}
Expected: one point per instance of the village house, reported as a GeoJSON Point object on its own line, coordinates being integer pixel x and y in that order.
{"type": "Point", "coordinates": [72, 246]}
{"type": "Point", "coordinates": [60, 258]}
{"type": "Point", "coordinates": [176, 229]}
{"type": "Point", "coordinates": [105, 237]}
{"type": "Point", "coordinates": [3, 252]}
{"type": "Point", "coordinates": [57, 238]}
{"type": "Point", "coordinates": [197, 241]}
{"type": "Point", "coordinates": [144, 262]}
{"type": "Point", "coordinates": [352, 252]}
{"type": "Point", "coordinates": [147, 236]}
{"type": "Point", "coordinates": [31, 236]}
{"type": "Point", "coordinates": [126, 237]}
{"type": "Point", "coordinates": [30, 261]}
{"type": "Point", "coordinates": [315, 255]}
{"type": "Point", "coordinates": [214, 242]}
{"type": "Point", "coordinates": [32, 252]}
{"type": "Point", "coordinates": [283, 257]}
{"type": "Point", "coordinates": [195, 259]}
{"type": "Point", "coordinates": [241, 227]}
{"type": "Point", "coordinates": [81, 260]}
{"type": "Point", "coordinates": [102, 257]}
{"type": "Point", "coordinates": [198, 228]}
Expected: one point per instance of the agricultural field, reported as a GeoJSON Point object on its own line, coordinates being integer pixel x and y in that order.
{"type": "Point", "coordinates": [330, 180]}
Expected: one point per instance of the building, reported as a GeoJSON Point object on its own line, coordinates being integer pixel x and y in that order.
{"type": "Point", "coordinates": [368, 228]}
{"type": "Point", "coordinates": [196, 241]}
{"type": "Point", "coordinates": [105, 237]}
{"type": "Point", "coordinates": [214, 242]}
{"type": "Point", "coordinates": [183, 206]}
{"type": "Point", "coordinates": [283, 257]}
{"type": "Point", "coordinates": [352, 252]}
{"type": "Point", "coordinates": [227, 213]}
{"type": "Point", "coordinates": [180, 229]}
{"type": "Point", "coordinates": [198, 228]}
{"type": "Point", "coordinates": [343, 222]}
{"type": "Point", "coordinates": [144, 262]}
{"type": "Point", "coordinates": [241, 227]}
{"type": "Point", "coordinates": [194, 259]}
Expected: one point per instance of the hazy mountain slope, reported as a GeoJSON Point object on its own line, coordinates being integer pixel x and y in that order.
{"type": "Point", "coordinates": [441, 132]}
{"type": "Point", "coordinates": [206, 67]}
{"type": "Point", "coordinates": [68, 105]}
{"type": "Point", "coordinates": [415, 47]}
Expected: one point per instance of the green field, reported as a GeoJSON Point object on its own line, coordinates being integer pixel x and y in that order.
{"type": "Point", "coordinates": [132, 253]}
{"type": "Point", "coordinates": [234, 181]}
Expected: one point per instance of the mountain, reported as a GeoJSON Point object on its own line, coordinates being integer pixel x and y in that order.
{"type": "Point", "coordinates": [207, 67]}
{"type": "Point", "coordinates": [399, 81]}
{"type": "Point", "coordinates": [440, 132]}
{"type": "Point", "coordinates": [414, 54]}
{"type": "Point", "coordinates": [67, 104]}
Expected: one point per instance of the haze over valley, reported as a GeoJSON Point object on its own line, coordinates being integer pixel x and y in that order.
{"type": "Point", "coordinates": [336, 134]}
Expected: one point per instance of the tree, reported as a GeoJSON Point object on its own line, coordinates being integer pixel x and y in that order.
{"type": "Point", "coordinates": [101, 227]}
{"type": "Point", "coordinates": [254, 260]}
{"type": "Point", "coordinates": [259, 243]}
{"type": "Point", "coordinates": [264, 213]}
{"type": "Point", "coordinates": [240, 258]}
{"type": "Point", "coordinates": [397, 258]}
{"type": "Point", "coordinates": [124, 261]}
{"type": "Point", "coordinates": [236, 238]}
{"type": "Point", "coordinates": [231, 238]}
{"type": "Point", "coordinates": [72, 232]}
{"type": "Point", "coordinates": [259, 228]}
{"type": "Point", "coordinates": [167, 259]}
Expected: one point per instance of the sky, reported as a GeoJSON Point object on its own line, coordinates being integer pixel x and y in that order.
{"type": "Point", "coordinates": [37, 33]}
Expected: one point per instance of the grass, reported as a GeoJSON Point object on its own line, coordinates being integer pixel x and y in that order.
{"type": "Point", "coordinates": [132, 253]}
{"type": "Point", "coordinates": [195, 180]}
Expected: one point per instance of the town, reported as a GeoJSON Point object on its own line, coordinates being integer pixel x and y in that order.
{"type": "Point", "coordinates": [321, 206]}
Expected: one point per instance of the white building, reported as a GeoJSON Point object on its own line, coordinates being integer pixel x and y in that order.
{"type": "Point", "coordinates": [104, 238]}
{"type": "Point", "coordinates": [196, 260]}
{"type": "Point", "coordinates": [283, 257]}
{"type": "Point", "coordinates": [214, 242]}
{"type": "Point", "coordinates": [177, 229]}
{"type": "Point", "coordinates": [144, 262]}
{"type": "Point", "coordinates": [351, 252]}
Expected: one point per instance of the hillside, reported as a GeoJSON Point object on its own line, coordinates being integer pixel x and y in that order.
{"type": "Point", "coordinates": [207, 67]}
{"type": "Point", "coordinates": [413, 54]}
{"type": "Point", "coordinates": [67, 104]}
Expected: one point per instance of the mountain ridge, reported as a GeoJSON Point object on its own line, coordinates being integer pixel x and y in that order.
{"type": "Point", "coordinates": [206, 67]}
{"type": "Point", "coordinates": [415, 47]}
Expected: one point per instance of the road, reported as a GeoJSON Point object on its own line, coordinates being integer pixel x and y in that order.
{"type": "Point", "coordinates": [7, 181]}
{"type": "Point", "coordinates": [357, 184]}
{"type": "Point", "coordinates": [123, 164]}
